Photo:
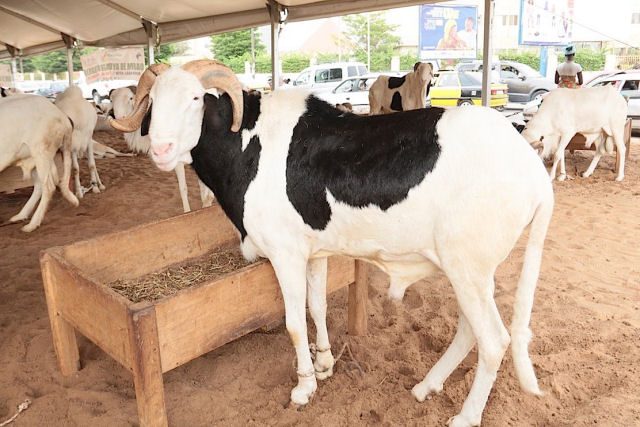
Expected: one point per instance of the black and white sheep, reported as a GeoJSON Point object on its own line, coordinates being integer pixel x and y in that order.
{"type": "Point", "coordinates": [414, 193]}
{"type": "Point", "coordinates": [409, 92]}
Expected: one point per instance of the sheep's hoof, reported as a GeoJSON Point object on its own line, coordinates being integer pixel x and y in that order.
{"type": "Point", "coordinates": [102, 187]}
{"type": "Point", "coordinates": [17, 218]}
{"type": "Point", "coordinates": [619, 178]}
{"type": "Point", "coordinates": [585, 174]}
{"type": "Point", "coordinates": [460, 421]}
{"type": "Point", "coordinates": [562, 177]}
{"type": "Point", "coordinates": [29, 227]}
{"type": "Point", "coordinates": [423, 391]}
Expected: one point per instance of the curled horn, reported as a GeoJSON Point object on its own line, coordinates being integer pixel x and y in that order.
{"type": "Point", "coordinates": [132, 122]}
{"type": "Point", "coordinates": [214, 74]}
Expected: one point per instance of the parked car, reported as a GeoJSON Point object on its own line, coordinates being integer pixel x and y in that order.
{"type": "Point", "coordinates": [460, 88]}
{"type": "Point", "coordinates": [628, 84]}
{"type": "Point", "coordinates": [53, 89]}
{"type": "Point", "coordinates": [325, 77]}
{"type": "Point", "coordinates": [354, 90]}
{"type": "Point", "coordinates": [525, 84]}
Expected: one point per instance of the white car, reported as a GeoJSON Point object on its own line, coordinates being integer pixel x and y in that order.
{"type": "Point", "coordinates": [100, 89]}
{"type": "Point", "coordinates": [324, 77]}
{"type": "Point", "coordinates": [628, 84]}
{"type": "Point", "coordinates": [354, 90]}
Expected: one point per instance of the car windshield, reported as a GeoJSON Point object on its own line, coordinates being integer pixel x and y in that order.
{"type": "Point", "coordinates": [528, 71]}
{"type": "Point", "coordinates": [471, 78]}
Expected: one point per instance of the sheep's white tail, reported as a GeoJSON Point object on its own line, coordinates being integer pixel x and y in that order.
{"type": "Point", "coordinates": [520, 332]}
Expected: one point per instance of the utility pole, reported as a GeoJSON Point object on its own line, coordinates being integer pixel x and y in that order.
{"type": "Point", "coordinates": [253, 56]}
{"type": "Point", "coordinates": [369, 41]}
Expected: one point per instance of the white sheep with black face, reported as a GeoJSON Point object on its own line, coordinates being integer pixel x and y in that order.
{"type": "Point", "coordinates": [414, 193]}
{"type": "Point", "coordinates": [122, 102]}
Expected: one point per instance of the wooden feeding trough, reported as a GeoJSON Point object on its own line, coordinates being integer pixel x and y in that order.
{"type": "Point", "coordinates": [578, 140]}
{"type": "Point", "coordinates": [153, 337]}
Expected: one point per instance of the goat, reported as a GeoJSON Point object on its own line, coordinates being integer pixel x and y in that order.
{"type": "Point", "coordinates": [84, 118]}
{"type": "Point", "coordinates": [413, 193]}
{"type": "Point", "coordinates": [589, 111]}
{"type": "Point", "coordinates": [409, 92]}
{"type": "Point", "coordinates": [33, 130]}
{"type": "Point", "coordinates": [122, 102]}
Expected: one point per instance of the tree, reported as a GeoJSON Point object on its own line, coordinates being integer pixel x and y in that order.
{"type": "Point", "coordinates": [56, 61]}
{"type": "Point", "coordinates": [382, 41]}
{"type": "Point", "coordinates": [236, 44]}
{"type": "Point", "coordinates": [163, 53]}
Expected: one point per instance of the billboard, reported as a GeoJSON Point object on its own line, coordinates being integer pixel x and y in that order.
{"type": "Point", "coordinates": [448, 32]}
{"type": "Point", "coordinates": [545, 22]}
{"type": "Point", "coordinates": [6, 80]}
{"type": "Point", "coordinates": [113, 64]}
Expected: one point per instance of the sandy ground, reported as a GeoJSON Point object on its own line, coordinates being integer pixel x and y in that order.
{"type": "Point", "coordinates": [586, 321]}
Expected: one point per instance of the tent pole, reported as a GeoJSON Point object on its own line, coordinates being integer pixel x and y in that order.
{"type": "Point", "coordinates": [151, 57]}
{"type": "Point", "coordinates": [278, 15]}
{"type": "Point", "coordinates": [487, 52]}
{"type": "Point", "coordinates": [152, 32]}
{"type": "Point", "coordinates": [69, 42]}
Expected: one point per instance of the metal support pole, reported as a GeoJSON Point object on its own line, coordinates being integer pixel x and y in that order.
{"type": "Point", "coordinates": [20, 65]}
{"type": "Point", "coordinates": [151, 28]}
{"type": "Point", "coordinates": [13, 51]}
{"type": "Point", "coordinates": [278, 16]}
{"type": "Point", "coordinates": [69, 43]}
{"type": "Point", "coordinates": [487, 52]}
{"type": "Point", "coordinates": [369, 41]}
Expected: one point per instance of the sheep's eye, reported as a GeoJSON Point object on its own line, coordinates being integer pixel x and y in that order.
{"type": "Point", "coordinates": [195, 98]}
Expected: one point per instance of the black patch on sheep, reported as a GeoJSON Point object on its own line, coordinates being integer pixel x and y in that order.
{"type": "Point", "coordinates": [361, 161]}
{"type": "Point", "coordinates": [3, 92]}
{"type": "Point", "coordinates": [146, 121]}
{"type": "Point", "coordinates": [396, 102]}
{"type": "Point", "coordinates": [396, 82]}
{"type": "Point", "coordinates": [518, 127]}
{"type": "Point", "coordinates": [218, 158]}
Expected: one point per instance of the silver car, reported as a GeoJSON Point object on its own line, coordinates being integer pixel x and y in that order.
{"type": "Point", "coordinates": [628, 84]}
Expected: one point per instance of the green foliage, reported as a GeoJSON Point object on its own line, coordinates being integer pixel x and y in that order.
{"type": "Point", "coordinates": [163, 53]}
{"type": "Point", "coordinates": [295, 62]}
{"type": "Point", "coordinates": [532, 59]}
{"type": "Point", "coordinates": [326, 58]}
{"type": "Point", "coordinates": [382, 40]}
{"type": "Point", "coordinates": [235, 44]}
{"type": "Point", "coordinates": [263, 63]}
{"type": "Point", "coordinates": [407, 61]}
{"type": "Point", "coordinates": [589, 60]}
{"type": "Point", "coordinates": [55, 62]}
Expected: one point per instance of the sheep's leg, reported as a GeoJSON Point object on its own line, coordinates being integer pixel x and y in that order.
{"type": "Point", "coordinates": [76, 170]}
{"type": "Point", "coordinates": [317, 297]}
{"type": "Point", "coordinates": [618, 139]}
{"type": "Point", "coordinates": [63, 184]}
{"type": "Point", "coordinates": [182, 187]}
{"type": "Point", "coordinates": [458, 349]}
{"type": "Point", "coordinates": [596, 158]}
{"type": "Point", "coordinates": [27, 209]}
{"type": "Point", "coordinates": [206, 195]}
{"type": "Point", "coordinates": [559, 158]}
{"type": "Point", "coordinates": [96, 184]}
{"type": "Point", "coordinates": [474, 293]}
{"type": "Point", "coordinates": [48, 186]}
{"type": "Point", "coordinates": [291, 274]}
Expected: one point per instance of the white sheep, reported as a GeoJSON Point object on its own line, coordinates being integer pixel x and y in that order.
{"type": "Point", "coordinates": [588, 111]}
{"type": "Point", "coordinates": [414, 193]}
{"type": "Point", "coordinates": [33, 130]}
{"type": "Point", "coordinates": [409, 92]}
{"type": "Point", "coordinates": [84, 118]}
{"type": "Point", "coordinates": [122, 105]}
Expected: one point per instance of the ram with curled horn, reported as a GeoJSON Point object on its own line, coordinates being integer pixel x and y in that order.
{"type": "Point", "coordinates": [415, 193]}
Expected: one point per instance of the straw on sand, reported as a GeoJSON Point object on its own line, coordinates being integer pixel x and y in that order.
{"type": "Point", "coordinates": [171, 280]}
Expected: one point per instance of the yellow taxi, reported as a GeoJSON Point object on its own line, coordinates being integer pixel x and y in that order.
{"type": "Point", "coordinates": [456, 88]}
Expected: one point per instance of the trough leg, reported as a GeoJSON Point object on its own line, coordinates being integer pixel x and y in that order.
{"type": "Point", "coordinates": [64, 335]}
{"type": "Point", "coordinates": [147, 369]}
{"type": "Point", "coordinates": [358, 295]}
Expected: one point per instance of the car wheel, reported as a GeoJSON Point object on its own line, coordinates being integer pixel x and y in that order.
{"type": "Point", "coordinates": [464, 103]}
{"type": "Point", "coordinates": [537, 95]}
{"type": "Point", "coordinates": [96, 97]}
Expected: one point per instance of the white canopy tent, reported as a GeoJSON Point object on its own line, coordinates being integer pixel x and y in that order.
{"type": "Point", "coordinates": [29, 27]}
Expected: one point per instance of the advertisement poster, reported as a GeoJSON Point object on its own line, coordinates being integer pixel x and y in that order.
{"type": "Point", "coordinates": [113, 64]}
{"type": "Point", "coordinates": [448, 32]}
{"type": "Point", "coordinates": [545, 22]}
{"type": "Point", "coordinates": [5, 75]}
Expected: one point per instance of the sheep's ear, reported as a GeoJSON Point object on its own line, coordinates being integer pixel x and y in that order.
{"type": "Point", "coordinates": [110, 92]}
{"type": "Point", "coordinates": [146, 122]}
